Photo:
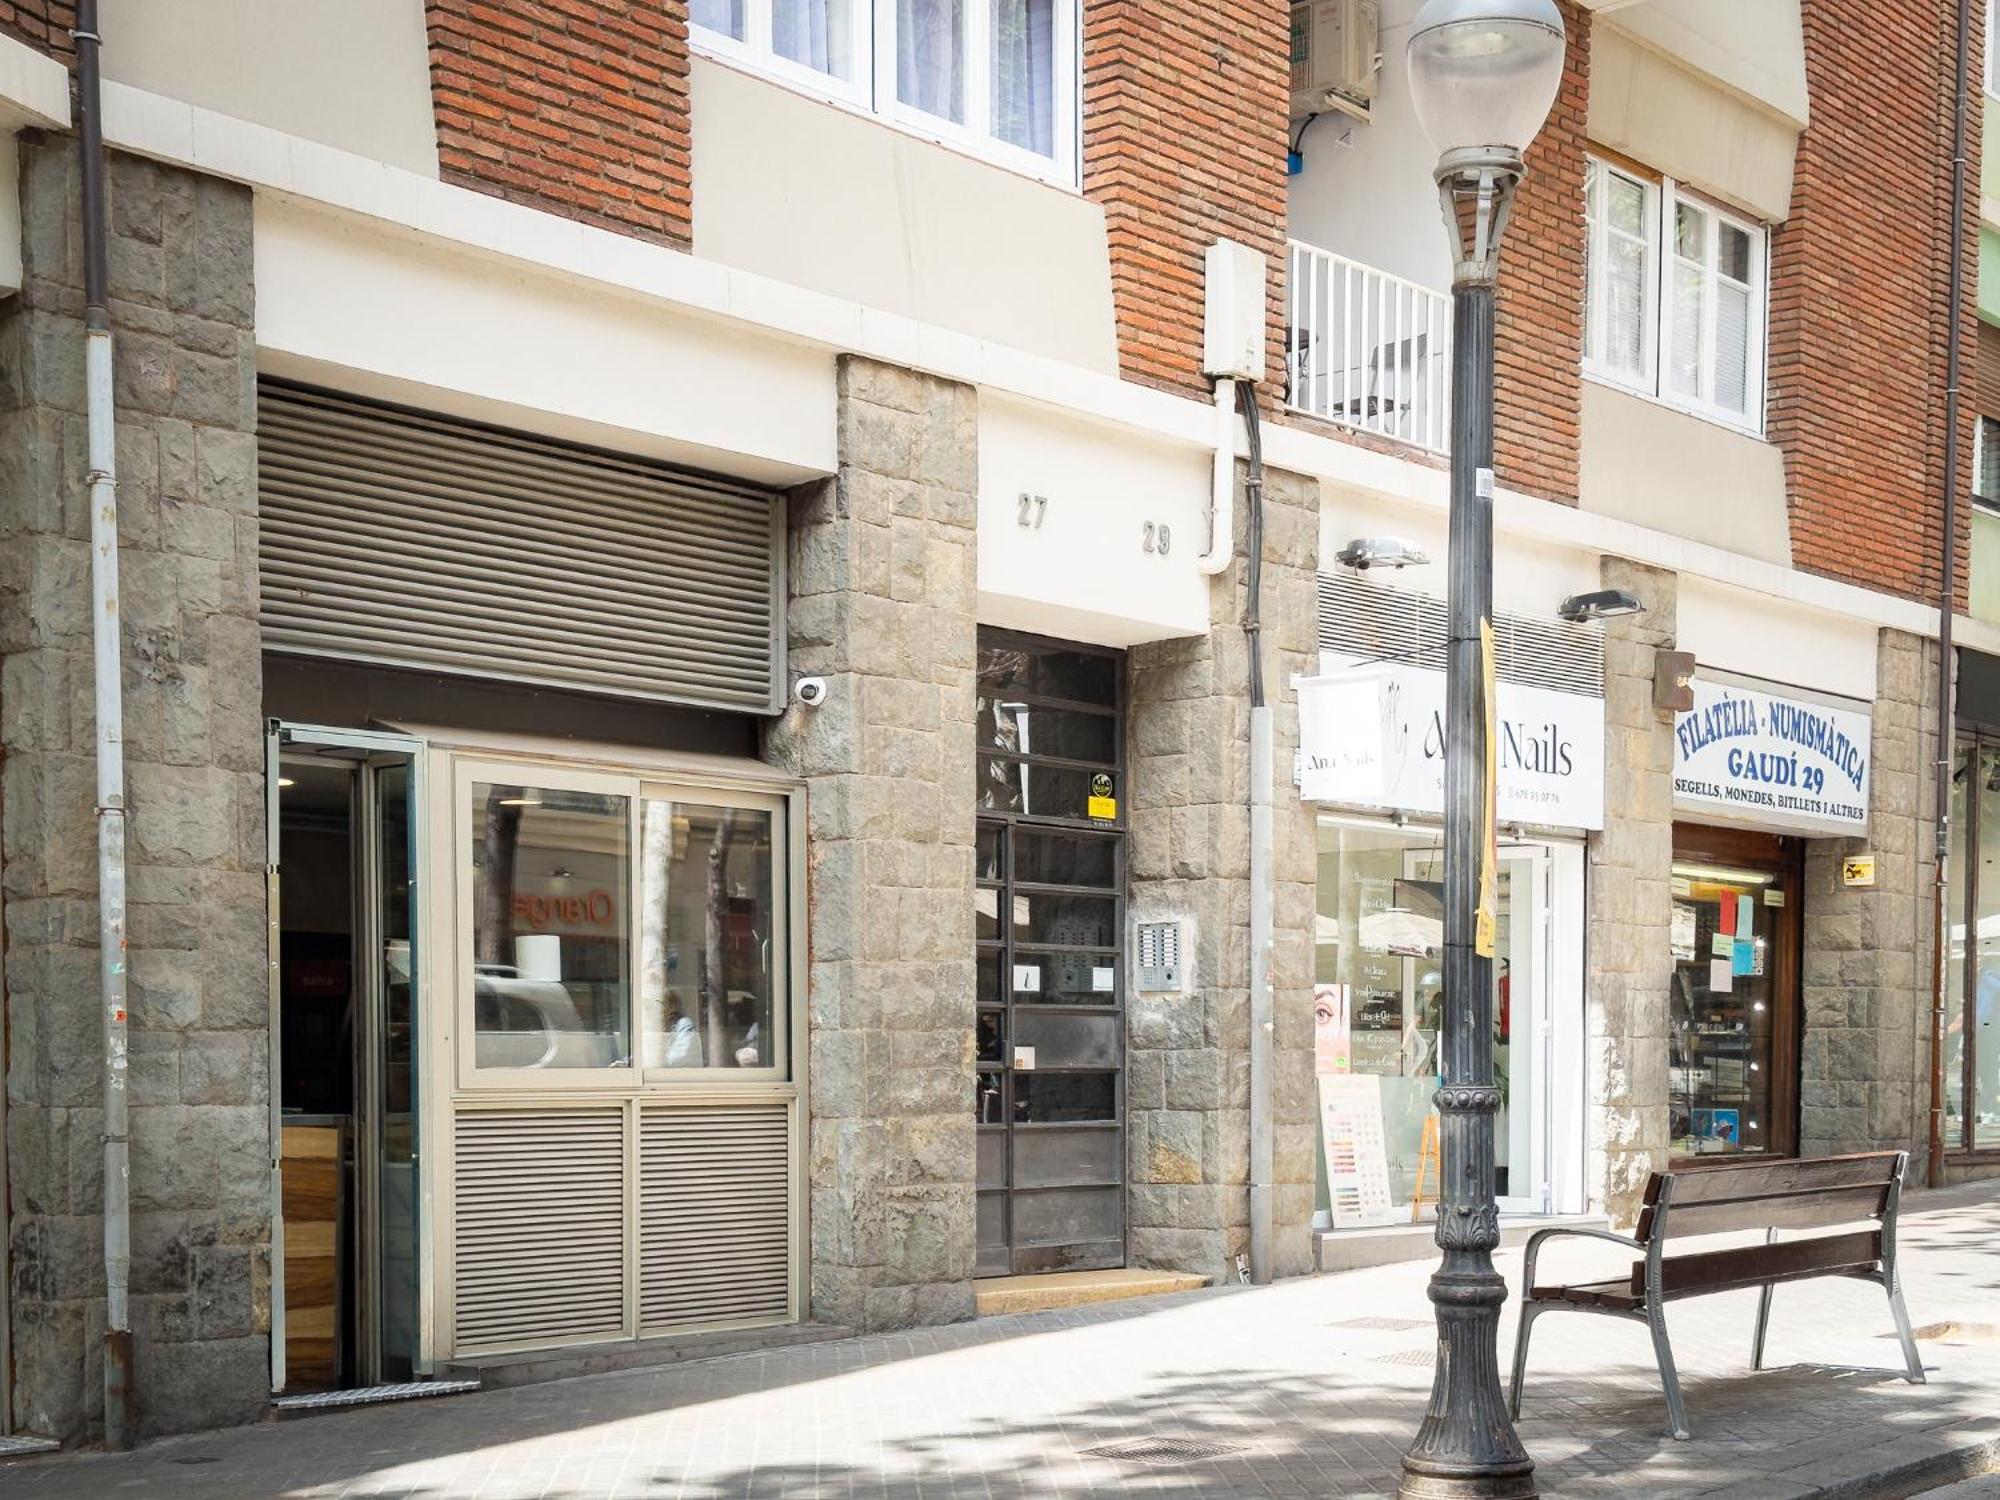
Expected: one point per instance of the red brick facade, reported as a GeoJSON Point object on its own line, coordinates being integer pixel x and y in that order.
{"type": "Point", "coordinates": [578, 107]}
{"type": "Point", "coordinates": [42, 24]}
{"type": "Point", "coordinates": [1184, 115]}
{"type": "Point", "coordinates": [1538, 315]}
{"type": "Point", "coordinates": [1858, 295]}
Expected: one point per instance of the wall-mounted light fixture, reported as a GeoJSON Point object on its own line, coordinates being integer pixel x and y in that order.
{"type": "Point", "coordinates": [1602, 605]}
{"type": "Point", "coordinates": [1366, 552]}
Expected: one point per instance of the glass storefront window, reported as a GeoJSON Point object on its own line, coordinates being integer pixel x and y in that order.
{"type": "Point", "coordinates": [551, 883]}
{"type": "Point", "coordinates": [1981, 1017]}
{"type": "Point", "coordinates": [706, 935]}
{"type": "Point", "coordinates": [1955, 968]}
{"type": "Point", "coordinates": [1722, 1029]}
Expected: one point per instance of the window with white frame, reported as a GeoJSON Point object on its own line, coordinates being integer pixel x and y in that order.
{"type": "Point", "coordinates": [1992, 17]}
{"type": "Point", "coordinates": [1986, 462]}
{"type": "Point", "coordinates": [1675, 297]}
{"type": "Point", "coordinates": [995, 76]}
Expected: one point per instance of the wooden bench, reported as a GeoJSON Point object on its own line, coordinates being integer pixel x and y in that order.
{"type": "Point", "coordinates": [1767, 1195]}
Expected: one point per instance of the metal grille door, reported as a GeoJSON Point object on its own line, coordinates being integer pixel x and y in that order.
{"type": "Point", "coordinates": [413, 540]}
{"type": "Point", "coordinates": [1049, 908]}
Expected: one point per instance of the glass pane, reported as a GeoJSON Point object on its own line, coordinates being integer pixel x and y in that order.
{"type": "Point", "coordinates": [1986, 459]}
{"type": "Point", "coordinates": [1625, 305]}
{"type": "Point", "coordinates": [1024, 38]}
{"type": "Point", "coordinates": [986, 862]}
{"type": "Point", "coordinates": [1062, 1098]}
{"type": "Point", "coordinates": [817, 33]}
{"type": "Point", "coordinates": [725, 16]}
{"type": "Point", "coordinates": [1065, 978]}
{"type": "Point", "coordinates": [986, 1096]}
{"type": "Point", "coordinates": [1986, 928]}
{"type": "Point", "coordinates": [1080, 676]}
{"type": "Point", "coordinates": [986, 913]}
{"type": "Point", "coordinates": [1046, 791]}
{"type": "Point", "coordinates": [992, 1036]}
{"type": "Point", "coordinates": [1067, 921]}
{"type": "Point", "coordinates": [1955, 1132]}
{"type": "Point", "coordinates": [1732, 347]}
{"type": "Point", "coordinates": [930, 56]}
{"type": "Point", "coordinates": [992, 983]}
{"type": "Point", "coordinates": [1719, 1010]}
{"type": "Point", "coordinates": [551, 937]}
{"type": "Point", "coordinates": [1064, 859]}
{"type": "Point", "coordinates": [1686, 362]}
{"type": "Point", "coordinates": [1733, 253]}
{"type": "Point", "coordinates": [1690, 232]}
{"type": "Point", "coordinates": [1626, 201]}
{"type": "Point", "coordinates": [707, 938]}
{"type": "Point", "coordinates": [1064, 733]}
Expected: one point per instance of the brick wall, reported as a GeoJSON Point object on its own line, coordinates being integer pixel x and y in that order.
{"type": "Point", "coordinates": [1184, 113]}
{"type": "Point", "coordinates": [1859, 278]}
{"type": "Point", "coordinates": [577, 107]}
{"type": "Point", "coordinates": [42, 24]}
{"type": "Point", "coordinates": [1538, 345]}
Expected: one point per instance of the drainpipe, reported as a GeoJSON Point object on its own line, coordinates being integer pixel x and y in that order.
{"type": "Point", "coordinates": [1947, 592]}
{"type": "Point", "coordinates": [1262, 1009]}
{"type": "Point", "coordinates": [1222, 486]}
{"type": "Point", "coordinates": [110, 708]}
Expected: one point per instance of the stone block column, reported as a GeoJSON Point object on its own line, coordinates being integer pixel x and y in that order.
{"type": "Point", "coordinates": [1187, 1090]}
{"type": "Point", "coordinates": [1864, 1057]}
{"type": "Point", "coordinates": [882, 606]}
{"type": "Point", "coordinates": [1631, 903]}
{"type": "Point", "coordinates": [200, 1043]}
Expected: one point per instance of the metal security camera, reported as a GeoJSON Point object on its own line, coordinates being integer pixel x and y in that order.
{"type": "Point", "coordinates": [811, 691]}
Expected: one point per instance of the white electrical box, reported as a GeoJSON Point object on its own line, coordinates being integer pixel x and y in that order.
{"type": "Point", "coordinates": [1335, 56]}
{"type": "Point", "coordinates": [1233, 322]}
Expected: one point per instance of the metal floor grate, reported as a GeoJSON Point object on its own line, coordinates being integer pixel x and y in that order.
{"type": "Point", "coordinates": [21, 1447]}
{"type": "Point", "coordinates": [1424, 1357]}
{"type": "Point", "coordinates": [372, 1395]}
{"type": "Point", "coordinates": [1163, 1450]}
{"type": "Point", "coordinates": [1384, 1325]}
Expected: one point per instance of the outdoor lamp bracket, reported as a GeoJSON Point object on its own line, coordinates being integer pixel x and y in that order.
{"type": "Point", "coordinates": [1476, 191]}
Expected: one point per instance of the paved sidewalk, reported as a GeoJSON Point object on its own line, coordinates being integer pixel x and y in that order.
{"type": "Point", "coordinates": [1314, 1384]}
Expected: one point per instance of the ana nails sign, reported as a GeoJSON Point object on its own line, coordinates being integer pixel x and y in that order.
{"type": "Point", "coordinates": [1784, 764]}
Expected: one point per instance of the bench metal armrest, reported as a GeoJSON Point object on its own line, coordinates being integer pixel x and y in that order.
{"type": "Point", "coordinates": [1535, 1248]}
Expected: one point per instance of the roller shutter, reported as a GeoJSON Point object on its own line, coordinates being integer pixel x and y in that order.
{"type": "Point", "coordinates": [715, 1241]}
{"type": "Point", "coordinates": [423, 541]}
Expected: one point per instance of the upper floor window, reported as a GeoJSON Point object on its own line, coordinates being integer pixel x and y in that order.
{"type": "Point", "coordinates": [1986, 462]}
{"type": "Point", "coordinates": [995, 76]}
{"type": "Point", "coordinates": [1992, 46]}
{"type": "Point", "coordinates": [1674, 302]}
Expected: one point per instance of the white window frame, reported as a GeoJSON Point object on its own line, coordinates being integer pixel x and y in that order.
{"type": "Point", "coordinates": [1664, 195]}
{"type": "Point", "coordinates": [873, 89]}
{"type": "Point", "coordinates": [1990, 63]}
{"type": "Point", "coordinates": [1597, 288]}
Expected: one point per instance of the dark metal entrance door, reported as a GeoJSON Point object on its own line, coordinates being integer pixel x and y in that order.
{"type": "Point", "coordinates": [1050, 921]}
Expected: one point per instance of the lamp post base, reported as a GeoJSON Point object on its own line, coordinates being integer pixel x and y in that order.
{"type": "Point", "coordinates": [1466, 1448]}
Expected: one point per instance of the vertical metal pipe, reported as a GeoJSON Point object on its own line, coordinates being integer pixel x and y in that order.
{"type": "Point", "coordinates": [1263, 1018]}
{"type": "Point", "coordinates": [110, 712]}
{"type": "Point", "coordinates": [1467, 1444]}
{"type": "Point", "coordinates": [1947, 598]}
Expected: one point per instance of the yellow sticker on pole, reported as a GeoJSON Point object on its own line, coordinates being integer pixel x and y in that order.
{"type": "Point", "coordinates": [1486, 923]}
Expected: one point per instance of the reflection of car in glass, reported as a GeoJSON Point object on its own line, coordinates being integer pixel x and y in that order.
{"type": "Point", "coordinates": [533, 1023]}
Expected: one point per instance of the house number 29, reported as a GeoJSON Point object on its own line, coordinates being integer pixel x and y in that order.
{"type": "Point", "coordinates": [1159, 538]}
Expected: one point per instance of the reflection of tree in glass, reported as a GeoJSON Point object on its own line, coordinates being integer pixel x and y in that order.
{"type": "Point", "coordinates": [714, 994]}
{"type": "Point", "coordinates": [656, 854]}
{"type": "Point", "coordinates": [499, 842]}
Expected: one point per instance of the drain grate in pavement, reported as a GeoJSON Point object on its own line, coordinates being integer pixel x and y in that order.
{"type": "Point", "coordinates": [1384, 1325]}
{"type": "Point", "coordinates": [1424, 1357]}
{"type": "Point", "coordinates": [1163, 1450]}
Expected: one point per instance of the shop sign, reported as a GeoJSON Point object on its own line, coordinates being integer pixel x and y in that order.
{"type": "Point", "coordinates": [1788, 765]}
{"type": "Point", "coordinates": [1374, 737]}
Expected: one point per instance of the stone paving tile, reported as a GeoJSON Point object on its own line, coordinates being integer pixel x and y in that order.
{"type": "Point", "coordinates": [1007, 1408]}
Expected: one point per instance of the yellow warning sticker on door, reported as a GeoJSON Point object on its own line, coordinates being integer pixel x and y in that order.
{"type": "Point", "coordinates": [1104, 807]}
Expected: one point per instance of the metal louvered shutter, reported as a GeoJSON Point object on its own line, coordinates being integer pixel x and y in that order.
{"type": "Point", "coordinates": [715, 1225]}
{"type": "Point", "coordinates": [539, 1233]}
{"type": "Point", "coordinates": [411, 540]}
{"type": "Point", "coordinates": [1374, 623]}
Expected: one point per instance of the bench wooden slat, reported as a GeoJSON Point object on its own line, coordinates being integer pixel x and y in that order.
{"type": "Point", "coordinates": [1589, 1294]}
{"type": "Point", "coordinates": [1757, 1179]}
{"type": "Point", "coordinates": [1755, 1265]}
{"type": "Point", "coordinates": [1821, 1206]}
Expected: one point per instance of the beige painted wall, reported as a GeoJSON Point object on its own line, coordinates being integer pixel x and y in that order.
{"type": "Point", "coordinates": [1754, 48]}
{"type": "Point", "coordinates": [354, 74]}
{"type": "Point", "coordinates": [823, 197]}
{"type": "Point", "coordinates": [1661, 112]}
{"type": "Point", "coordinates": [1657, 467]}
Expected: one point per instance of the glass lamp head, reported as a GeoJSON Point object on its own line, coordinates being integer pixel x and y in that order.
{"type": "Point", "coordinates": [1484, 73]}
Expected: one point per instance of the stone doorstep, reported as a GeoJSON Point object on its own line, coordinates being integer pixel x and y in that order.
{"type": "Point", "coordinates": [1394, 1244]}
{"type": "Point", "coordinates": [996, 1296]}
{"type": "Point", "coordinates": [536, 1366]}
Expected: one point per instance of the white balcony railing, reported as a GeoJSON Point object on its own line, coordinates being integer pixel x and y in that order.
{"type": "Point", "coordinates": [1368, 350]}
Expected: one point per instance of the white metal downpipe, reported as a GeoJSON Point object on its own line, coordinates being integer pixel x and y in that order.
{"type": "Point", "coordinates": [1263, 1009]}
{"type": "Point", "coordinates": [1222, 489]}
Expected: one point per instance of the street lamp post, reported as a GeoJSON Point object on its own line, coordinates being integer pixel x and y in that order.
{"type": "Point", "coordinates": [1483, 75]}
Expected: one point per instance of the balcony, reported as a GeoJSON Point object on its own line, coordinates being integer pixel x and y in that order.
{"type": "Point", "coordinates": [1367, 350]}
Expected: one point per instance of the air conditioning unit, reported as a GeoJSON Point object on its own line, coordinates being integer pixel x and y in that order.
{"type": "Point", "coordinates": [1335, 56]}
